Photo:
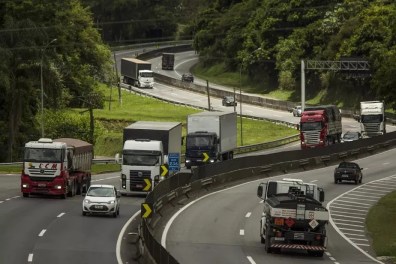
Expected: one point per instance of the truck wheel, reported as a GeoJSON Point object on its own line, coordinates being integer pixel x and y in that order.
{"type": "Point", "coordinates": [315, 253]}
{"type": "Point", "coordinates": [84, 213]}
{"type": "Point", "coordinates": [262, 240]}
{"type": "Point", "coordinates": [115, 214]}
{"type": "Point", "coordinates": [267, 243]}
{"type": "Point", "coordinates": [25, 194]}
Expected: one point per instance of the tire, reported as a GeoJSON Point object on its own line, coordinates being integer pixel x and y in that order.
{"type": "Point", "coordinates": [357, 181]}
{"type": "Point", "coordinates": [84, 213]}
{"type": "Point", "coordinates": [118, 211]}
{"type": "Point", "coordinates": [335, 181]}
{"type": "Point", "coordinates": [315, 253]}
{"type": "Point", "coordinates": [262, 240]}
{"type": "Point", "coordinates": [361, 179]}
{"type": "Point", "coordinates": [26, 195]}
{"type": "Point", "coordinates": [188, 167]}
{"type": "Point", "coordinates": [115, 214]}
{"type": "Point", "coordinates": [267, 243]}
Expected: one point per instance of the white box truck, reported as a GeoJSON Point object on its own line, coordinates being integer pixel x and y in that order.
{"type": "Point", "coordinates": [137, 72]}
{"type": "Point", "coordinates": [372, 118]}
{"type": "Point", "coordinates": [148, 145]}
{"type": "Point", "coordinates": [211, 137]}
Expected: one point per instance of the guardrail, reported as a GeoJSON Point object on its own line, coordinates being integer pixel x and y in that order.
{"type": "Point", "coordinates": [183, 186]}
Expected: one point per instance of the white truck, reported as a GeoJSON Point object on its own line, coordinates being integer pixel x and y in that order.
{"type": "Point", "coordinates": [372, 118]}
{"type": "Point", "coordinates": [137, 72]}
{"type": "Point", "coordinates": [147, 147]}
{"type": "Point", "coordinates": [293, 216]}
{"type": "Point", "coordinates": [211, 137]}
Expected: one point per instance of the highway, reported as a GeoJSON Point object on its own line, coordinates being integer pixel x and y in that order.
{"type": "Point", "coordinates": [50, 230]}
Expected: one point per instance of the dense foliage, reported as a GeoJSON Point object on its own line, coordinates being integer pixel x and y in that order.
{"type": "Point", "coordinates": [269, 38]}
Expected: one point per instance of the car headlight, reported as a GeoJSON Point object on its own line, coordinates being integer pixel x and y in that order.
{"type": "Point", "coordinates": [111, 202]}
{"type": "Point", "coordinates": [87, 201]}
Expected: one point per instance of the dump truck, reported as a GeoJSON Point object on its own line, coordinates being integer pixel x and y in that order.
{"type": "Point", "coordinates": [211, 137]}
{"type": "Point", "coordinates": [168, 61]}
{"type": "Point", "coordinates": [137, 72]}
{"type": "Point", "coordinates": [320, 126]}
{"type": "Point", "coordinates": [372, 118]}
{"type": "Point", "coordinates": [151, 152]}
{"type": "Point", "coordinates": [60, 167]}
{"type": "Point", "coordinates": [293, 216]}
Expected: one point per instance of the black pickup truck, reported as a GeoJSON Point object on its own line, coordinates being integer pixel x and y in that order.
{"type": "Point", "coordinates": [348, 171]}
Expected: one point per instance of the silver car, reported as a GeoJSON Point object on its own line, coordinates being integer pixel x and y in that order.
{"type": "Point", "coordinates": [101, 199]}
{"type": "Point", "coordinates": [297, 111]}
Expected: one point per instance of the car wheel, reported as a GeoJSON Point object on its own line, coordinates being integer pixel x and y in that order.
{"type": "Point", "coordinates": [84, 213]}
{"type": "Point", "coordinates": [361, 179]}
{"type": "Point", "coordinates": [357, 181]}
{"type": "Point", "coordinates": [118, 211]}
{"type": "Point", "coordinates": [25, 195]}
{"type": "Point", "coordinates": [335, 181]}
{"type": "Point", "coordinates": [115, 214]}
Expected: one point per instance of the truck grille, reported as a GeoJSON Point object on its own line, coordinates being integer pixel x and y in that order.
{"type": "Point", "coordinates": [371, 128]}
{"type": "Point", "coordinates": [312, 137]}
{"type": "Point", "coordinates": [136, 179]}
{"type": "Point", "coordinates": [38, 172]}
{"type": "Point", "coordinates": [42, 179]}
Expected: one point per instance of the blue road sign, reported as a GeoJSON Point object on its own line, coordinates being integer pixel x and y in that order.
{"type": "Point", "coordinates": [174, 161]}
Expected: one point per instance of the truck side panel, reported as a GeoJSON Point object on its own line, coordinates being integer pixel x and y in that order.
{"type": "Point", "coordinates": [228, 130]}
{"type": "Point", "coordinates": [130, 67]}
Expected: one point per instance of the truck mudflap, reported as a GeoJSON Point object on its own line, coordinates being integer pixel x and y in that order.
{"type": "Point", "coordinates": [298, 246]}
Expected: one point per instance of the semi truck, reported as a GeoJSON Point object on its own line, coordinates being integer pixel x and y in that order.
{"type": "Point", "coordinates": [211, 137]}
{"type": "Point", "coordinates": [320, 126]}
{"type": "Point", "coordinates": [137, 73]}
{"type": "Point", "coordinates": [293, 216]}
{"type": "Point", "coordinates": [168, 61]}
{"type": "Point", "coordinates": [372, 118]}
{"type": "Point", "coordinates": [148, 146]}
{"type": "Point", "coordinates": [60, 167]}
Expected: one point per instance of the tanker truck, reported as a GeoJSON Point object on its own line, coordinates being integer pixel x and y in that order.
{"type": "Point", "coordinates": [59, 167]}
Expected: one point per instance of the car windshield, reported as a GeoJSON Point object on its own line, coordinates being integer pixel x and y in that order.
{"type": "Point", "coordinates": [101, 192]}
{"type": "Point", "coordinates": [371, 118]}
{"type": "Point", "coordinates": [146, 74]}
{"type": "Point", "coordinates": [229, 98]}
{"type": "Point", "coordinates": [199, 141]}
{"type": "Point", "coordinates": [140, 159]}
{"type": "Point", "coordinates": [309, 126]}
{"type": "Point", "coordinates": [347, 165]}
{"type": "Point", "coordinates": [350, 135]}
{"type": "Point", "coordinates": [43, 155]}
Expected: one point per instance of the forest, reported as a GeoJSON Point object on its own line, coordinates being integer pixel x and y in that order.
{"type": "Point", "coordinates": [67, 45]}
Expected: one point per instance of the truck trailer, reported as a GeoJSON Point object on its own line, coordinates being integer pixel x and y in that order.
{"type": "Point", "coordinates": [147, 146]}
{"type": "Point", "coordinates": [320, 126]}
{"type": "Point", "coordinates": [293, 216]}
{"type": "Point", "coordinates": [372, 118]}
{"type": "Point", "coordinates": [211, 137]}
{"type": "Point", "coordinates": [59, 167]}
{"type": "Point", "coordinates": [168, 61]}
{"type": "Point", "coordinates": [137, 72]}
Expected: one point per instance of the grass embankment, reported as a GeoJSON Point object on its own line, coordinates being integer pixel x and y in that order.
{"type": "Point", "coordinates": [380, 223]}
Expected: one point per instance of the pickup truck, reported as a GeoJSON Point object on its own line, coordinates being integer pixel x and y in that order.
{"type": "Point", "coordinates": [348, 171]}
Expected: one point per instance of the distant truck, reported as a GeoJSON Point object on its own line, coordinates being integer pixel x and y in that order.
{"type": "Point", "coordinates": [211, 137]}
{"type": "Point", "coordinates": [147, 147]}
{"type": "Point", "coordinates": [137, 73]}
{"type": "Point", "coordinates": [168, 61]}
{"type": "Point", "coordinates": [293, 216]}
{"type": "Point", "coordinates": [372, 118]}
{"type": "Point", "coordinates": [59, 167]}
{"type": "Point", "coordinates": [320, 126]}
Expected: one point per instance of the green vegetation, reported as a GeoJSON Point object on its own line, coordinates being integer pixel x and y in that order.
{"type": "Point", "coordinates": [380, 224]}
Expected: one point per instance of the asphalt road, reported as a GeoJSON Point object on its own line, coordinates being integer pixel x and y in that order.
{"type": "Point", "coordinates": [223, 227]}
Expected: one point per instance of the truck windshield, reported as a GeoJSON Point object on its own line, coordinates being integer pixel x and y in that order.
{"type": "Point", "coordinates": [371, 118]}
{"type": "Point", "coordinates": [140, 160]}
{"type": "Point", "coordinates": [146, 74]}
{"type": "Point", "coordinates": [199, 141]}
{"type": "Point", "coordinates": [43, 155]}
{"type": "Point", "coordinates": [309, 126]}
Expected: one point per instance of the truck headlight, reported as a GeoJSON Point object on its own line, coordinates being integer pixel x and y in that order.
{"type": "Point", "coordinates": [58, 187]}
{"type": "Point", "coordinates": [25, 185]}
{"type": "Point", "coordinates": [211, 160]}
{"type": "Point", "coordinates": [187, 161]}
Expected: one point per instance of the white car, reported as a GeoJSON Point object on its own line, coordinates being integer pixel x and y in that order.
{"type": "Point", "coordinates": [297, 110]}
{"type": "Point", "coordinates": [101, 199]}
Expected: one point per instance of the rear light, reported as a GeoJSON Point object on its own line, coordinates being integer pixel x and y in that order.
{"type": "Point", "coordinates": [318, 237]}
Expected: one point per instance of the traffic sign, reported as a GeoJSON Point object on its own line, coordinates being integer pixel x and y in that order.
{"type": "Point", "coordinates": [164, 170]}
{"type": "Point", "coordinates": [145, 210]}
{"type": "Point", "coordinates": [290, 222]}
{"type": "Point", "coordinates": [206, 156]}
{"type": "Point", "coordinates": [148, 185]}
{"type": "Point", "coordinates": [174, 161]}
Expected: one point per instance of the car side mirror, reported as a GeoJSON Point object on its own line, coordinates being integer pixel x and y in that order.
{"type": "Point", "coordinates": [260, 191]}
{"type": "Point", "coordinates": [118, 194]}
{"type": "Point", "coordinates": [321, 195]}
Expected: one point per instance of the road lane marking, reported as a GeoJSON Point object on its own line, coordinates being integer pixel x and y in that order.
{"type": "Point", "coordinates": [350, 229]}
{"type": "Point", "coordinates": [362, 204]}
{"type": "Point", "coordinates": [349, 216]}
{"type": "Point", "coordinates": [364, 245]}
{"type": "Point", "coordinates": [242, 232]}
{"type": "Point", "coordinates": [314, 181]}
{"type": "Point", "coordinates": [61, 214]}
{"type": "Point", "coordinates": [331, 258]}
{"type": "Point", "coordinates": [342, 224]}
{"type": "Point", "coordinates": [361, 195]}
{"type": "Point", "coordinates": [248, 215]}
{"type": "Point", "coordinates": [251, 260]}
{"type": "Point", "coordinates": [42, 232]}
{"type": "Point", "coordinates": [347, 220]}
{"type": "Point", "coordinates": [346, 213]}
{"type": "Point", "coordinates": [30, 257]}
{"type": "Point", "coordinates": [373, 190]}
{"type": "Point", "coordinates": [1, 201]}
{"type": "Point", "coordinates": [361, 199]}
{"type": "Point", "coordinates": [364, 239]}
{"type": "Point", "coordinates": [351, 234]}
{"type": "Point", "coordinates": [347, 208]}
{"type": "Point", "coordinates": [367, 194]}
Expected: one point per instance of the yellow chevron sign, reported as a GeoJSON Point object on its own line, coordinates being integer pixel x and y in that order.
{"type": "Point", "coordinates": [146, 210]}
{"type": "Point", "coordinates": [148, 185]}
{"type": "Point", "coordinates": [206, 157]}
{"type": "Point", "coordinates": [164, 170]}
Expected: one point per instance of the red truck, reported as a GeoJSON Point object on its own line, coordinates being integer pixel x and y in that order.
{"type": "Point", "coordinates": [320, 126]}
{"type": "Point", "coordinates": [60, 167]}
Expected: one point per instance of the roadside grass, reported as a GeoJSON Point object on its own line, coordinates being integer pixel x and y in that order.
{"type": "Point", "coordinates": [380, 223]}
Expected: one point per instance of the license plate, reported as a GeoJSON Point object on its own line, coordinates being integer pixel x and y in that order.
{"type": "Point", "coordinates": [344, 176]}
{"type": "Point", "coordinates": [139, 186]}
{"type": "Point", "coordinates": [98, 206]}
{"type": "Point", "coordinates": [42, 185]}
{"type": "Point", "coordinates": [299, 236]}
{"type": "Point", "coordinates": [279, 221]}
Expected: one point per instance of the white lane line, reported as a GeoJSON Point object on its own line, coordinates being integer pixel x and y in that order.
{"type": "Point", "coordinates": [347, 208]}
{"type": "Point", "coordinates": [350, 229]}
{"type": "Point", "coordinates": [248, 215]}
{"type": "Point", "coordinates": [328, 253]}
{"type": "Point", "coordinates": [367, 194]}
{"type": "Point", "coordinates": [347, 220]}
{"type": "Point", "coordinates": [385, 163]}
{"type": "Point", "coordinates": [61, 214]}
{"type": "Point", "coordinates": [363, 204]}
{"type": "Point", "coordinates": [385, 188]}
{"type": "Point", "coordinates": [360, 199]}
{"type": "Point", "coordinates": [251, 260]}
{"type": "Point", "coordinates": [15, 197]}
{"type": "Point", "coordinates": [364, 245]}
{"type": "Point", "coordinates": [364, 239]}
{"type": "Point", "coordinates": [42, 232]}
{"type": "Point", "coordinates": [387, 183]}
{"type": "Point", "coordinates": [242, 232]}
{"type": "Point", "coordinates": [345, 213]}
{"type": "Point", "coordinates": [346, 216]}
{"type": "Point", "coordinates": [331, 258]}
{"type": "Point", "coordinates": [30, 257]}
{"type": "Point", "coordinates": [314, 181]}
{"type": "Point", "coordinates": [373, 190]}
{"type": "Point", "coordinates": [1, 201]}
{"type": "Point", "coordinates": [342, 224]}
{"type": "Point", "coordinates": [8, 199]}
{"type": "Point", "coordinates": [361, 195]}
{"type": "Point", "coordinates": [351, 234]}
